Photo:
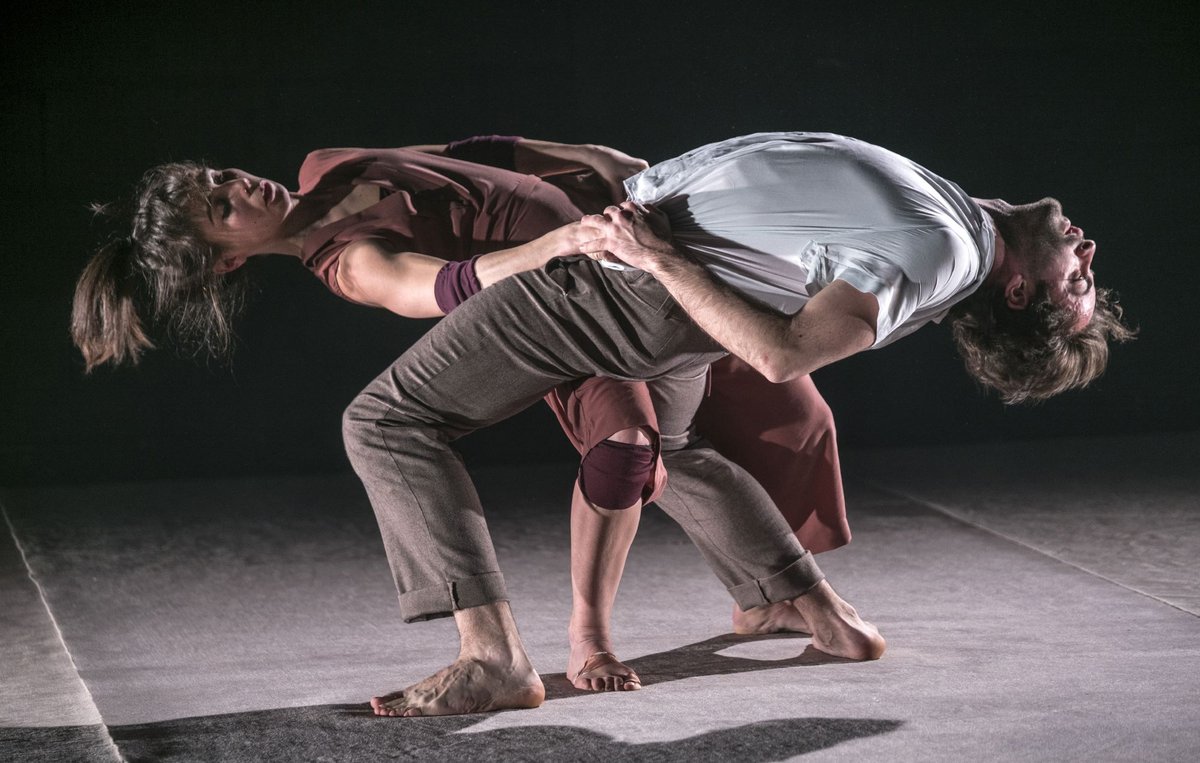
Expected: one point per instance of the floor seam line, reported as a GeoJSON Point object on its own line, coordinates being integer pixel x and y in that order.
{"type": "Point", "coordinates": [12, 532]}
{"type": "Point", "coordinates": [949, 512]}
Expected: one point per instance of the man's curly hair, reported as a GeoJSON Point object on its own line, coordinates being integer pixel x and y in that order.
{"type": "Point", "coordinates": [1033, 354]}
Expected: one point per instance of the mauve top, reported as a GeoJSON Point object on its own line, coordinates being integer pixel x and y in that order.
{"type": "Point", "coordinates": [430, 204]}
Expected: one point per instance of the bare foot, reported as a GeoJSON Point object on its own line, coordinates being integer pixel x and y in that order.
{"type": "Point", "coordinates": [836, 627]}
{"type": "Point", "coordinates": [468, 685]}
{"type": "Point", "coordinates": [780, 617]}
{"type": "Point", "coordinates": [592, 666]}
{"type": "Point", "coordinates": [600, 671]}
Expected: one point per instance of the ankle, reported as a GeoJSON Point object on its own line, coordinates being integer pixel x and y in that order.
{"type": "Point", "coordinates": [489, 633]}
{"type": "Point", "coordinates": [596, 637]}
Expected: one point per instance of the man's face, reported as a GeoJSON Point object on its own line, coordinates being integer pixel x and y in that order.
{"type": "Point", "coordinates": [1053, 251]}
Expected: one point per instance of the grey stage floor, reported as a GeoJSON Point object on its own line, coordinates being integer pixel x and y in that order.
{"type": "Point", "coordinates": [1041, 601]}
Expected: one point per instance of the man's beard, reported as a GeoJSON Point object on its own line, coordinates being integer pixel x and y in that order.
{"type": "Point", "coordinates": [1033, 229]}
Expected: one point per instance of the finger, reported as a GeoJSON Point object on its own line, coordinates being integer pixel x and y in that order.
{"type": "Point", "coordinates": [604, 256]}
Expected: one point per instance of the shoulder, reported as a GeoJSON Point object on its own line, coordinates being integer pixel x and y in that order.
{"type": "Point", "coordinates": [360, 263]}
{"type": "Point", "coordinates": [365, 253]}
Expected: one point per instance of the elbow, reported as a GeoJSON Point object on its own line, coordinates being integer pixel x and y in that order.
{"type": "Point", "coordinates": [780, 367]}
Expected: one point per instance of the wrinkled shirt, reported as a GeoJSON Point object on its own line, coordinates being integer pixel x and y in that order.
{"type": "Point", "coordinates": [780, 216]}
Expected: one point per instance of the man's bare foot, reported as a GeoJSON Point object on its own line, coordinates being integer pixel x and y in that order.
{"type": "Point", "coordinates": [467, 685]}
{"type": "Point", "coordinates": [592, 669]}
{"type": "Point", "coordinates": [836, 627]}
{"type": "Point", "coordinates": [492, 671]}
{"type": "Point", "coordinates": [780, 617]}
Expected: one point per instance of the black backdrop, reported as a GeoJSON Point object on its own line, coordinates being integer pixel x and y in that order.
{"type": "Point", "coordinates": [1094, 105]}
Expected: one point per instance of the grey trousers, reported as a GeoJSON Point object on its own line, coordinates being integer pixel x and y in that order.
{"type": "Point", "coordinates": [497, 354]}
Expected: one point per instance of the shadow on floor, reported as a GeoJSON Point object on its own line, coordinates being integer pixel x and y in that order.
{"type": "Point", "coordinates": [348, 733]}
{"type": "Point", "coordinates": [701, 659]}
{"type": "Point", "coordinates": [353, 733]}
{"type": "Point", "coordinates": [56, 744]}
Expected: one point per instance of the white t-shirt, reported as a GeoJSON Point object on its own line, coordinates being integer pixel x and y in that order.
{"type": "Point", "coordinates": [779, 216]}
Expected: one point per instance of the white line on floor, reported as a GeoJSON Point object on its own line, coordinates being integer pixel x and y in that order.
{"type": "Point", "coordinates": [940, 508]}
{"type": "Point", "coordinates": [12, 531]}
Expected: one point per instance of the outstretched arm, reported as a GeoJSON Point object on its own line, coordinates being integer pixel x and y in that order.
{"type": "Point", "coordinates": [836, 323]}
{"type": "Point", "coordinates": [404, 282]}
{"type": "Point", "coordinates": [542, 158]}
{"type": "Point", "coordinates": [545, 158]}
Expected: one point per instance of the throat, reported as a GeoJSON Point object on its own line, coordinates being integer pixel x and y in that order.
{"type": "Point", "coordinates": [314, 215]}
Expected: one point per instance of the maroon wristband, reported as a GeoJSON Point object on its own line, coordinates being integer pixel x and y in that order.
{"type": "Point", "coordinates": [454, 283]}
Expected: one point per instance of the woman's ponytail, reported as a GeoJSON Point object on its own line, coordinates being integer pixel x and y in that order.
{"type": "Point", "coordinates": [105, 325]}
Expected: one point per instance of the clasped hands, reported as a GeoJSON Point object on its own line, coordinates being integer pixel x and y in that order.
{"type": "Point", "coordinates": [629, 235]}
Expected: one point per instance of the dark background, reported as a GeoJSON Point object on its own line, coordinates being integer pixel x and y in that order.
{"type": "Point", "coordinates": [1095, 105]}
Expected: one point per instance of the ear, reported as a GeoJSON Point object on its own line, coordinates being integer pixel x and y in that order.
{"type": "Point", "coordinates": [228, 264]}
{"type": "Point", "coordinates": [1018, 291]}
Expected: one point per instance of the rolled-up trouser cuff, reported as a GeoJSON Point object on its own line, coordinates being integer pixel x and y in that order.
{"type": "Point", "coordinates": [793, 580]}
{"type": "Point", "coordinates": [441, 601]}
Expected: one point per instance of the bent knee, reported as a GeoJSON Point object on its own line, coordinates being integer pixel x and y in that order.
{"type": "Point", "coordinates": [614, 475]}
{"type": "Point", "coordinates": [355, 417]}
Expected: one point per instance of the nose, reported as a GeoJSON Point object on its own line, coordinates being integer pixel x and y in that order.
{"type": "Point", "coordinates": [1085, 252]}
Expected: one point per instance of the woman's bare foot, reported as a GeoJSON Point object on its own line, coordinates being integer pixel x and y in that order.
{"type": "Point", "coordinates": [492, 672]}
{"type": "Point", "coordinates": [592, 668]}
{"type": "Point", "coordinates": [836, 627]}
{"type": "Point", "coordinates": [466, 686]}
{"type": "Point", "coordinates": [780, 617]}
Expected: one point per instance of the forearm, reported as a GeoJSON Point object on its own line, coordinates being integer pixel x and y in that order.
{"type": "Point", "coordinates": [429, 148]}
{"type": "Point", "coordinates": [496, 266]}
{"type": "Point", "coordinates": [837, 322]}
{"type": "Point", "coordinates": [543, 157]}
{"type": "Point", "coordinates": [761, 338]}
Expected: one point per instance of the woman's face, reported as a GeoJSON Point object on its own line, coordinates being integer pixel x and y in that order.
{"type": "Point", "coordinates": [242, 215]}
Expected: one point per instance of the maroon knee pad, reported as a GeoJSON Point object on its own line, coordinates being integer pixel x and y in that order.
{"type": "Point", "coordinates": [613, 475]}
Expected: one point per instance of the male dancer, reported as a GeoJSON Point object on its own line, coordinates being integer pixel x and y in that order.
{"type": "Point", "coordinates": [807, 248]}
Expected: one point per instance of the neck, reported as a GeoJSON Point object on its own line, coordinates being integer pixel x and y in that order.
{"type": "Point", "coordinates": [316, 211]}
{"type": "Point", "coordinates": [994, 209]}
{"type": "Point", "coordinates": [305, 215]}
